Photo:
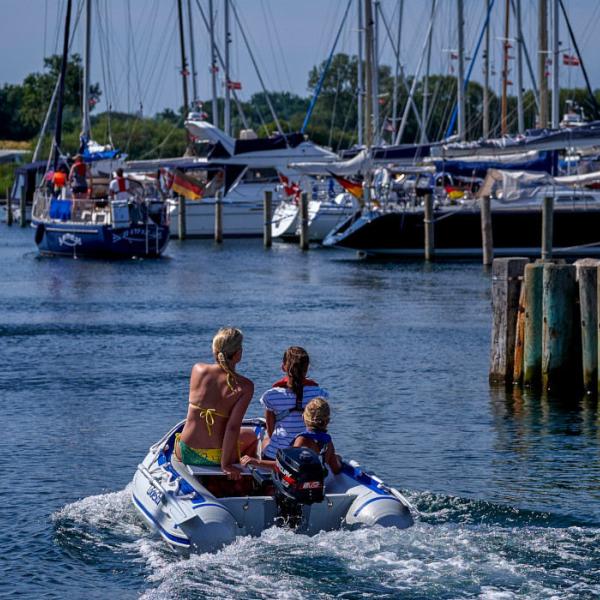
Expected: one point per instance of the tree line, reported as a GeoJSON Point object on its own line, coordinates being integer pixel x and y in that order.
{"type": "Point", "coordinates": [334, 120]}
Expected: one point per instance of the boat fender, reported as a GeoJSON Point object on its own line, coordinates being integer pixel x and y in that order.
{"type": "Point", "coordinates": [39, 233]}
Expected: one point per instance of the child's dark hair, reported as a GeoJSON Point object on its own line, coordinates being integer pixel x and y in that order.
{"type": "Point", "coordinates": [295, 363]}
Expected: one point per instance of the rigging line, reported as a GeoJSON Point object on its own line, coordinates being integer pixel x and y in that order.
{"type": "Point", "coordinates": [470, 69]}
{"type": "Point", "coordinates": [396, 50]}
{"type": "Point", "coordinates": [324, 72]}
{"type": "Point", "coordinates": [282, 54]}
{"type": "Point", "coordinates": [273, 53]}
{"type": "Point", "coordinates": [262, 83]}
{"type": "Point", "coordinates": [168, 46]}
{"type": "Point", "coordinates": [149, 58]}
{"type": "Point", "coordinates": [351, 106]}
{"type": "Point", "coordinates": [222, 63]}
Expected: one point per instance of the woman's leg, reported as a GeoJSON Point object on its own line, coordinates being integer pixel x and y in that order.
{"type": "Point", "coordinates": [248, 441]}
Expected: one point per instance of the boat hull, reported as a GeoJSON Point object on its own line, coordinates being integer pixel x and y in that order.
{"type": "Point", "coordinates": [100, 241]}
{"type": "Point", "coordinates": [173, 502]}
{"type": "Point", "coordinates": [457, 232]}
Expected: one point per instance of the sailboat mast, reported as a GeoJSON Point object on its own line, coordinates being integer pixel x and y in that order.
{"type": "Point", "coordinates": [369, 73]}
{"type": "Point", "coordinates": [227, 113]}
{"type": "Point", "coordinates": [520, 105]}
{"type": "Point", "coordinates": [183, 59]}
{"type": "Point", "coordinates": [425, 107]}
{"type": "Point", "coordinates": [85, 97]}
{"type": "Point", "coordinates": [486, 77]}
{"type": "Point", "coordinates": [376, 130]}
{"type": "Point", "coordinates": [213, 65]}
{"type": "Point", "coordinates": [460, 83]}
{"type": "Point", "coordinates": [397, 70]}
{"type": "Point", "coordinates": [542, 57]}
{"type": "Point", "coordinates": [61, 88]}
{"type": "Point", "coordinates": [504, 109]}
{"type": "Point", "coordinates": [555, 67]}
{"type": "Point", "coordinates": [359, 73]}
{"type": "Point", "coordinates": [192, 52]}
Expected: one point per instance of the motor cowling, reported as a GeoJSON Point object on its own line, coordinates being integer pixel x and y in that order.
{"type": "Point", "coordinates": [299, 475]}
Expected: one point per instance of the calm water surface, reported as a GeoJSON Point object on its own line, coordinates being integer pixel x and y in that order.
{"type": "Point", "coordinates": [95, 359]}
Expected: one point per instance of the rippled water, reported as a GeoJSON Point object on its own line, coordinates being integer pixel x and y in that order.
{"type": "Point", "coordinates": [95, 358]}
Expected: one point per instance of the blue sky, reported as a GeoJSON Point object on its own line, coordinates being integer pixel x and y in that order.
{"type": "Point", "coordinates": [136, 51]}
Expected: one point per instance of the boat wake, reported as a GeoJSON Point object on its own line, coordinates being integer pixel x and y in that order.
{"type": "Point", "coordinates": [457, 548]}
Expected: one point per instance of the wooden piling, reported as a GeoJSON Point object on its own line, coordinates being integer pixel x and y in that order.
{"type": "Point", "coordinates": [267, 218]}
{"type": "Point", "coordinates": [587, 278]}
{"type": "Point", "coordinates": [23, 208]}
{"type": "Point", "coordinates": [559, 328]}
{"type": "Point", "coordinates": [428, 227]}
{"type": "Point", "coordinates": [547, 226]}
{"type": "Point", "coordinates": [532, 338]}
{"type": "Point", "coordinates": [487, 240]}
{"type": "Point", "coordinates": [519, 337]}
{"type": "Point", "coordinates": [219, 218]}
{"type": "Point", "coordinates": [304, 221]}
{"type": "Point", "coordinates": [506, 283]}
{"type": "Point", "coordinates": [181, 218]}
{"type": "Point", "coordinates": [9, 215]}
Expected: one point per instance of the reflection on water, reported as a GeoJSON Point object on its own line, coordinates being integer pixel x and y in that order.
{"type": "Point", "coordinates": [547, 449]}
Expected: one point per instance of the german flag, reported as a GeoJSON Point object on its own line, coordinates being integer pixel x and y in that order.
{"type": "Point", "coordinates": [353, 187]}
{"type": "Point", "coordinates": [187, 186]}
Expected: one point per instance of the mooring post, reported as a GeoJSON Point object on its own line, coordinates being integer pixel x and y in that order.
{"type": "Point", "coordinates": [547, 226]}
{"type": "Point", "coordinates": [428, 226]}
{"type": "Point", "coordinates": [181, 224]}
{"type": "Point", "coordinates": [267, 216]}
{"type": "Point", "coordinates": [487, 240]}
{"type": "Point", "coordinates": [559, 350]}
{"type": "Point", "coordinates": [587, 277]}
{"type": "Point", "coordinates": [219, 218]}
{"type": "Point", "coordinates": [506, 286]}
{"type": "Point", "coordinates": [304, 221]}
{"type": "Point", "coordinates": [9, 215]}
{"type": "Point", "coordinates": [532, 338]}
{"type": "Point", "coordinates": [23, 208]}
{"type": "Point", "coordinates": [520, 337]}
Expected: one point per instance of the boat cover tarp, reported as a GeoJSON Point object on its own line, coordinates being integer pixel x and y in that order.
{"type": "Point", "coordinates": [60, 209]}
{"type": "Point", "coordinates": [534, 139]}
{"type": "Point", "coordinates": [359, 163]}
{"type": "Point", "coordinates": [537, 162]}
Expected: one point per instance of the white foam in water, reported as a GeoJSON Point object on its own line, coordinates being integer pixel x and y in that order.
{"type": "Point", "coordinates": [492, 562]}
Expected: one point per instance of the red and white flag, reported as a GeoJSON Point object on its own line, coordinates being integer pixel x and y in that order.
{"type": "Point", "coordinates": [292, 190]}
{"type": "Point", "coordinates": [570, 61]}
{"type": "Point", "coordinates": [234, 85]}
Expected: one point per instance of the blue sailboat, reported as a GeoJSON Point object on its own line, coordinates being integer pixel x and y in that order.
{"type": "Point", "coordinates": [123, 219]}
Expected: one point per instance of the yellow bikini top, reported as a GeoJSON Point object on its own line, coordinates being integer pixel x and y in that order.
{"type": "Point", "coordinates": [208, 414]}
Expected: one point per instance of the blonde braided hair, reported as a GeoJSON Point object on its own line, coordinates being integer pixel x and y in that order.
{"type": "Point", "coordinates": [317, 413]}
{"type": "Point", "coordinates": [227, 341]}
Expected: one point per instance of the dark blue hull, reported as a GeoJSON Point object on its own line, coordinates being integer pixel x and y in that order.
{"type": "Point", "coordinates": [100, 241]}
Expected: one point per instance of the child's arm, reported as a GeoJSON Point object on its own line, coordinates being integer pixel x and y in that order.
{"type": "Point", "coordinates": [332, 459]}
{"type": "Point", "coordinates": [270, 418]}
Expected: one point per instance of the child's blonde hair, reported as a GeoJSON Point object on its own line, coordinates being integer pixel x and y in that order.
{"type": "Point", "coordinates": [316, 413]}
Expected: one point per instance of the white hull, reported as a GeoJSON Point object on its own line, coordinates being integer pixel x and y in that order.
{"type": "Point", "coordinates": [323, 216]}
{"type": "Point", "coordinates": [173, 501]}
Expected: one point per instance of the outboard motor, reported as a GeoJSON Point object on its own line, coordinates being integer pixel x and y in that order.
{"type": "Point", "coordinates": [298, 479]}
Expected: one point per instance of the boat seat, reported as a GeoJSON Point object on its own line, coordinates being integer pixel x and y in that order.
{"type": "Point", "coordinates": [86, 215]}
{"type": "Point", "coordinates": [216, 471]}
{"type": "Point", "coordinates": [99, 217]}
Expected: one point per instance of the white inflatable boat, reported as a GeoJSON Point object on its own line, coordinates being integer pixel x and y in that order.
{"type": "Point", "coordinates": [176, 499]}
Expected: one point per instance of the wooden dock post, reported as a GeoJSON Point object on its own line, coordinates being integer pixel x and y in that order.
{"type": "Point", "coordinates": [23, 208]}
{"type": "Point", "coordinates": [559, 330]}
{"type": "Point", "coordinates": [9, 215]}
{"type": "Point", "coordinates": [532, 338]}
{"type": "Point", "coordinates": [267, 217]}
{"type": "Point", "coordinates": [547, 227]}
{"type": "Point", "coordinates": [520, 337]}
{"type": "Point", "coordinates": [428, 226]}
{"type": "Point", "coordinates": [219, 218]}
{"type": "Point", "coordinates": [181, 224]}
{"type": "Point", "coordinates": [506, 285]}
{"type": "Point", "coordinates": [487, 240]}
{"type": "Point", "coordinates": [304, 221]}
{"type": "Point", "coordinates": [587, 277]}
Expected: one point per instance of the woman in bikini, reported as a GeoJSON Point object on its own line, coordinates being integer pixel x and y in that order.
{"type": "Point", "coordinates": [218, 401]}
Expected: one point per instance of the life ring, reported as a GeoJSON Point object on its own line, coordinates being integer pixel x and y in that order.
{"type": "Point", "coordinates": [39, 233]}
